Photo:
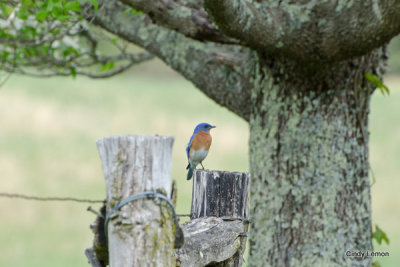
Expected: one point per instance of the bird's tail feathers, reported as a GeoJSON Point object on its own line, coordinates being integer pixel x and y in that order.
{"type": "Point", "coordinates": [190, 173]}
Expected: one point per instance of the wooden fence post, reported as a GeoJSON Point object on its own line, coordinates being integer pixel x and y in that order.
{"type": "Point", "coordinates": [141, 233]}
{"type": "Point", "coordinates": [222, 194]}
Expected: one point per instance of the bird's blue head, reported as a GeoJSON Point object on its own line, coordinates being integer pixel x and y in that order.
{"type": "Point", "coordinates": [205, 127]}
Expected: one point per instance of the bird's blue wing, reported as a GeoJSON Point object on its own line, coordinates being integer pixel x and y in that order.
{"type": "Point", "coordinates": [188, 146]}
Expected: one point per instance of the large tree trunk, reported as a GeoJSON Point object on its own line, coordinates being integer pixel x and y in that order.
{"type": "Point", "coordinates": [310, 192]}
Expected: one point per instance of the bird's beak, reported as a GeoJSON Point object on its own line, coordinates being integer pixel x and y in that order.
{"type": "Point", "coordinates": [212, 127]}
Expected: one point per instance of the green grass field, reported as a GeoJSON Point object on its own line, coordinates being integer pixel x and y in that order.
{"type": "Point", "coordinates": [48, 130]}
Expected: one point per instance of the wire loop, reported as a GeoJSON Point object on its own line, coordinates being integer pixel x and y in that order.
{"type": "Point", "coordinates": [132, 198]}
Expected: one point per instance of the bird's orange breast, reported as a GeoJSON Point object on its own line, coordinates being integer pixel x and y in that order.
{"type": "Point", "coordinates": [201, 140]}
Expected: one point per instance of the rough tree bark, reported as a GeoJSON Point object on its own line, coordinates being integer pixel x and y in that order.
{"type": "Point", "coordinates": [310, 192]}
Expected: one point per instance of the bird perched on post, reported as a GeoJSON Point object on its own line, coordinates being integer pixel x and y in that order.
{"type": "Point", "coordinates": [198, 147]}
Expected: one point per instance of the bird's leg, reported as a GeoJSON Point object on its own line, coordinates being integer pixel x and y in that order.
{"type": "Point", "coordinates": [202, 165]}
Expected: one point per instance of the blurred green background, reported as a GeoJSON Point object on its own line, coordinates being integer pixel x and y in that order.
{"type": "Point", "coordinates": [48, 130]}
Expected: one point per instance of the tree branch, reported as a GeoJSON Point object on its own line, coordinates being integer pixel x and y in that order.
{"type": "Point", "coordinates": [242, 20]}
{"type": "Point", "coordinates": [209, 66]}
{"type": "Point", "coordinates": [310, 30]}
{"type": "Point", "coordinates": [132, 60]}
{"type": "Point", "coordinates": [358, 28]}
{"type": "Point", "coordinates": [174, 15]}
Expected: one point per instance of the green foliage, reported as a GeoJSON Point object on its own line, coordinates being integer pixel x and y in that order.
{"type": "Point", "coordinates": [108, 66]}
{"type": "Point", "coordinates": [380, 235]}
{"type": "Point", "coordinates": [34, 32]}
{"type": "Point", "coordinates": [94, 3]}
{"type": "Point", "coordinates": [378, 83]}
{"type": "Point", "coordinates": [115, 40]}
{"type": "Point", "coordinates": [23, 13]}
{"type": "Point", "coordinates": [54, 9]}
{"type": "Point", "coordinates": [133, 11]}
{"type": "Point", "coordinates": [47, 38]}
{"type": "Point", "coordinates": [42, 15]}
{"type": "Point", "coordinates": [73, 6]}
{"type": "Point", "coordinates": [73, 71]}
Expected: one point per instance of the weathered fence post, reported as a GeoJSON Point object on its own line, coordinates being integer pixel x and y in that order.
{"type": "Point", "coordinates": [222, 194]}
{"type": "Point", "coordinates": [219, 194]}
{"type": "Point", "coordinates": [141, 233]}
{"type": "Point", "coordinates": [217, 232]}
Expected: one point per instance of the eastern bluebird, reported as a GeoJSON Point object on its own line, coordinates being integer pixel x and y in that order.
{"type": "Point", "coordinates": [198, 147]}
